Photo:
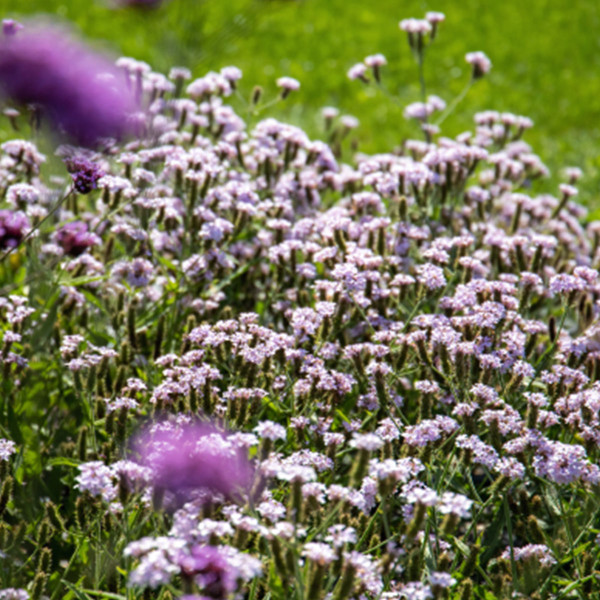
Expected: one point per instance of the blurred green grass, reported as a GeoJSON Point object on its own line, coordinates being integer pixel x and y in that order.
{"type": "Point", "coordinates": [545, 55]}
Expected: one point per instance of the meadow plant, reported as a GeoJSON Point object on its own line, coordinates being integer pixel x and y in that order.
{"type": "Point", "coordinates": [237, 362]}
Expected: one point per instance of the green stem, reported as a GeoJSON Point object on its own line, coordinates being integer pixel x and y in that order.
{"type": "Point", "coordinates": [452, 106]}
{"type": "Point", "coordinates": [513, 565]}
{"type": "Point", "coordinates": [420, 61]}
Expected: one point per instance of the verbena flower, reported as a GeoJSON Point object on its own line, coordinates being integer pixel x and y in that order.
{"type": "Point", "coordinates": [13, 228]}
{"type": "Point", "coordinates": [419, 26]}
{"type": "Point", "coordinates": [540, 552]}
{"type": "Point", "coordinates": [75, 238]}
{"type": "Point", "coordinates": [287, 85]}
{"type": "Point", "coordinates": [85, 174]}
{"type": "Point", "coordinates": [480, 62]}
{"type": "Point", "coordinates": [7, 449]}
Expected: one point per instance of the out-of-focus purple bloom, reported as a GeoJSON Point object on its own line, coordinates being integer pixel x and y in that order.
{"type": "Point", "coordinates": [187, 459]}
{"type": "Point", "coordinates": [210, 570]}
{"type": "Point", "coordinates": [74, 238]}
{"type": "Point", "coordinates": [11, 27]}
{"type": "Point", "coordinates": [79, 91]}
{"type": "Point", "coordinates": [85, 174]}
{"type": "Point", "coordinates": [13, 227]}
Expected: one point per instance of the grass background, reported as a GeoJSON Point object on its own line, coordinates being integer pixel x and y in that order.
{"type": "Point", "coordinates": [545, 55]}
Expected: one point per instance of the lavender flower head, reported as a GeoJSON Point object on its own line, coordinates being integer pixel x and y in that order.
{"type": "Point", "coordinates": [13, 228]}
{"type": "Point", "coordinates": [193, 459]}
{"type": "Point", "coordinates": [480, 62]}
{"type": "Point", "coordinates": [79, 91]}
{"type": "Point", "coordinates": [74, 238]}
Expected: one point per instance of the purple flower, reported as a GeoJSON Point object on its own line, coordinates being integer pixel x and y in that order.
{"type": "Point", "coordinates": [565, 283]}
{"type": "Point", "coordinates": [207, 566]}
{"type": "Point", "coordinates": [539, 551]}
{"type": "Point", "coordinates": [288, 83]}
{"type": "Point", "coordinates": [75, 239]}
{"type": "Point", "coordinates": [13, 227]}
{"type": "Point", "coordinates": [81, 93]}
{"type": "Point", "coordinates": [85, 174]}
{"type": "Point", "coordinates": [430, 276]}
{"type": "Point", "coordinates": [7, 447]}
{"type": "Point", "coordinates": [480, 62]}
{"type": "Point", "coordinates": [188, 459]}
{"type": "Point", "coordinates": [358, 71]}
{"type": "Point", "coordinates": [420, 26]}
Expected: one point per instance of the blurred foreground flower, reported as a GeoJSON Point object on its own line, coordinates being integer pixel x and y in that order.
{"type": "Point", "coordinates": [75, 238]}
{"type": "Point", "coordinates": [81, 92]}
{"type": "Point", "coordinates": [193, 461]}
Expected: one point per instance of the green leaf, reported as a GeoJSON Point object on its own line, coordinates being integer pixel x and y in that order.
{"type": "Point", "coordinates": [93, 300]}
{"type": "Point", "coordinates": [576, 552]}
{"type": "Point", "coordinates": [464, 548]}
{"type": "Point", "coordinates": [63, 461]}
{"type": "Point", "coordinates": [83, 551]}
{"type": "Point", "coordinates": [102, 594]}
{"type": "Point", "coordinates": [552, 500]}
{"type": "Point", "coordinates": [165, 262]}
{"type": "Point", "coordinates": [76, 281]}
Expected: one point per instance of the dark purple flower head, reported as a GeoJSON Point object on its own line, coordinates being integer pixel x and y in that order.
{"type": "Point", "coordinates": [193, 458]}
{"type": "Point", "coordinates": [13, 227]}
{"type": "Point", "coordinates": [85, 174]}
{"type": "Point", "coordinates": [81, 93]}
{"type": "Point", "coordinates": [11, 27]}
{"type": "Point", "coordinates": [210, 570]}
{"type": "Point", "coordinates": [75, 239]}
